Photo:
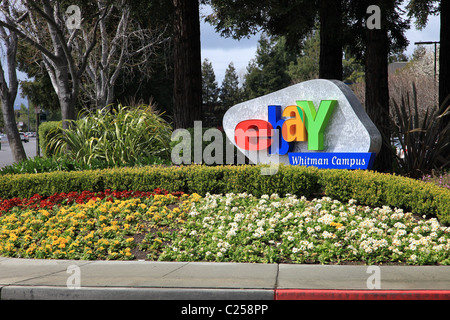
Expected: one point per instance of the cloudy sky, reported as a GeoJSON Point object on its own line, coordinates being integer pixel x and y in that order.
{"type": "Point", "coordinates": [221, 51]}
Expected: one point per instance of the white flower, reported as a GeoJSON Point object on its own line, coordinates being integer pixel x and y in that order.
{"type": "Point", "coordinates": [231, 233]}
{"type": "Point", "coordinates": [326, 219]}
{"type": "Point", "coordinates": [399, 225]}
{"type": "Point", "coordinates": [328, 235]}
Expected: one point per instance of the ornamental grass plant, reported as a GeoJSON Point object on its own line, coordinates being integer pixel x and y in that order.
{"type": "Point", "coordinates": [114, 135]}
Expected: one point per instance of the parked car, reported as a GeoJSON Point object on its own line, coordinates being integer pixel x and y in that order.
{"type": "Point", "coordinates": [398, 148]}
{"type": "Point", "coordinates": [24, 137]}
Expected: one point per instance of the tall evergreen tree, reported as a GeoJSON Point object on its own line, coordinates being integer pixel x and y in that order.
{"type": "Point", "coordinates": [210, 89]}
{"type": "Point", "coordinates": [307, 65]}
{"type": "Point", "coordinates": [268, 72]}
{"type": "Point", "coordinates": [230, 93]}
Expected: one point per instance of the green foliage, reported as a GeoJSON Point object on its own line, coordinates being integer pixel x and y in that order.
{"type": "Point", "coordinates": [230, 93]}
{"type": "Point", "coordinates": [376, 189]}
{"type": "Point", "coordinates": [268, 72]}
{"type": "Point", "coordinates": [47, 131]}
{"type": "Point", "coordinates": [368, 188]}
{"type": "Point", "coordinates": [41, 165]}
{"type": "Point", "coordinates": [424, 141]}
{"type": "Point", "coordinates": [116, 136]}
{"type": "Point", "coordinates": [210, 90]}
{"type": "Point", "coordinates": [307, 65]}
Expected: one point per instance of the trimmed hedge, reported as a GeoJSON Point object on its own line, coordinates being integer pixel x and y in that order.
{"type": "Point", "coordinates": [368, 188]}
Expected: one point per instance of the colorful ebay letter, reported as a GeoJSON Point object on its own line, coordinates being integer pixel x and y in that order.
{"type": "Point", "coordinates": [316, 122]}
{"type": "Point", "coordinates": [294, 128]}
{"type": "Point", "coordinates": [274, 115]}
{"type": "Point", "coordinates": [253, 135]}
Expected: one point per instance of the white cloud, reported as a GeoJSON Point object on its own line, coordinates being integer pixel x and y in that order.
{"type": "Point", "coordinates": [221, 58]}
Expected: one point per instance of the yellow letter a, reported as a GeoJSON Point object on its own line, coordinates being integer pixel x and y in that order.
{"type": "Point", "coordinates": [294, 128]}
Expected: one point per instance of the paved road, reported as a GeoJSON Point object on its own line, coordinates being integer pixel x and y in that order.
{"type": "Point", "coordinates": [6, 157]}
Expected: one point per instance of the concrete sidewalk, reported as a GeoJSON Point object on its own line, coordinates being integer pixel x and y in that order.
{"type": "Point", "coordinates": [26, 279]}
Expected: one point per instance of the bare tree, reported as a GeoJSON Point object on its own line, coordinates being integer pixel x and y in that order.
{"type": "Point", "coordinates": [120, 49]}
{"type": "Point", "coordinates": [42, 25]}
{"type": "Point", "coordinates": [8, 91]}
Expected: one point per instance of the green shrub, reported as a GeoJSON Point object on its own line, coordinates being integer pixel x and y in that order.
{"type": "Point", "coordinates": [41, 165]}
{"type": "Point", "coordinates": [47, 131]}
{"type": "Point", "coordinates": [368, 188]}
{"type": "Point", "coordinates": [378, 189]}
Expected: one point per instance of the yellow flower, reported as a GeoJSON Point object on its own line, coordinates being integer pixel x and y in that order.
{"type": "Point", "coordinates": [12, 237]}
{"type": "Point", "coordinates": [44, 213]}
{"type": "Point", "coordinates": [176, 210]}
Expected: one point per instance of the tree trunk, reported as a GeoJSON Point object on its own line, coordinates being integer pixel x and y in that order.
{"type": "Point", "coordinates": [15, 143]}
{"type": "Point", "coordinates": [187, 95]}
{"type": "Point", "coordinates": [444, 62]}
{"type": "Point", "coordinates": [377, 92]}
{"type": "Point", "coordinates": [9, 94]}
{"type": "Point", "coordinates": [66, 96]}
{"type": "Point", "coordinates": [331, 48]}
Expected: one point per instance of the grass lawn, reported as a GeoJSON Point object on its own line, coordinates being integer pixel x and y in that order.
{"type": "Point", "coordinates": [231, 227]}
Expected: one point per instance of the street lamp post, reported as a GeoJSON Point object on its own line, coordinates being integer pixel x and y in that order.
{"type": "Point", "coordinates": [435, 53]}
{"type": "Point", "coordinates": [37, 110]}
{"type": "Point", "coordinates": [435, 43]}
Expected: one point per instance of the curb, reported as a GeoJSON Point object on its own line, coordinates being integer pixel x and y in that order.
{"type": "Point", "coordinates": [311, 294]}
{"type": "Point", "coordinates": [127, 293]}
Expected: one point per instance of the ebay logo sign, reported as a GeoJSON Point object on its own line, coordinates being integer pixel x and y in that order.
{"type": "Point", "coordinates": [300, 122]}
{"type": "Point", "coordinates": [314, 123]}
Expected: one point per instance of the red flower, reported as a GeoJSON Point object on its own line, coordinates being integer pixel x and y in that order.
{"type": "Point", "coordinates": [38, 201]}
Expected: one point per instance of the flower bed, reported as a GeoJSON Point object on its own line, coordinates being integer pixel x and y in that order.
{"type": "Point", "coordinates": [232, 227]}
{"type": "Point", "coordinates": [271, 229]}
{"type": "Point", "coordinates": [85, 226]}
